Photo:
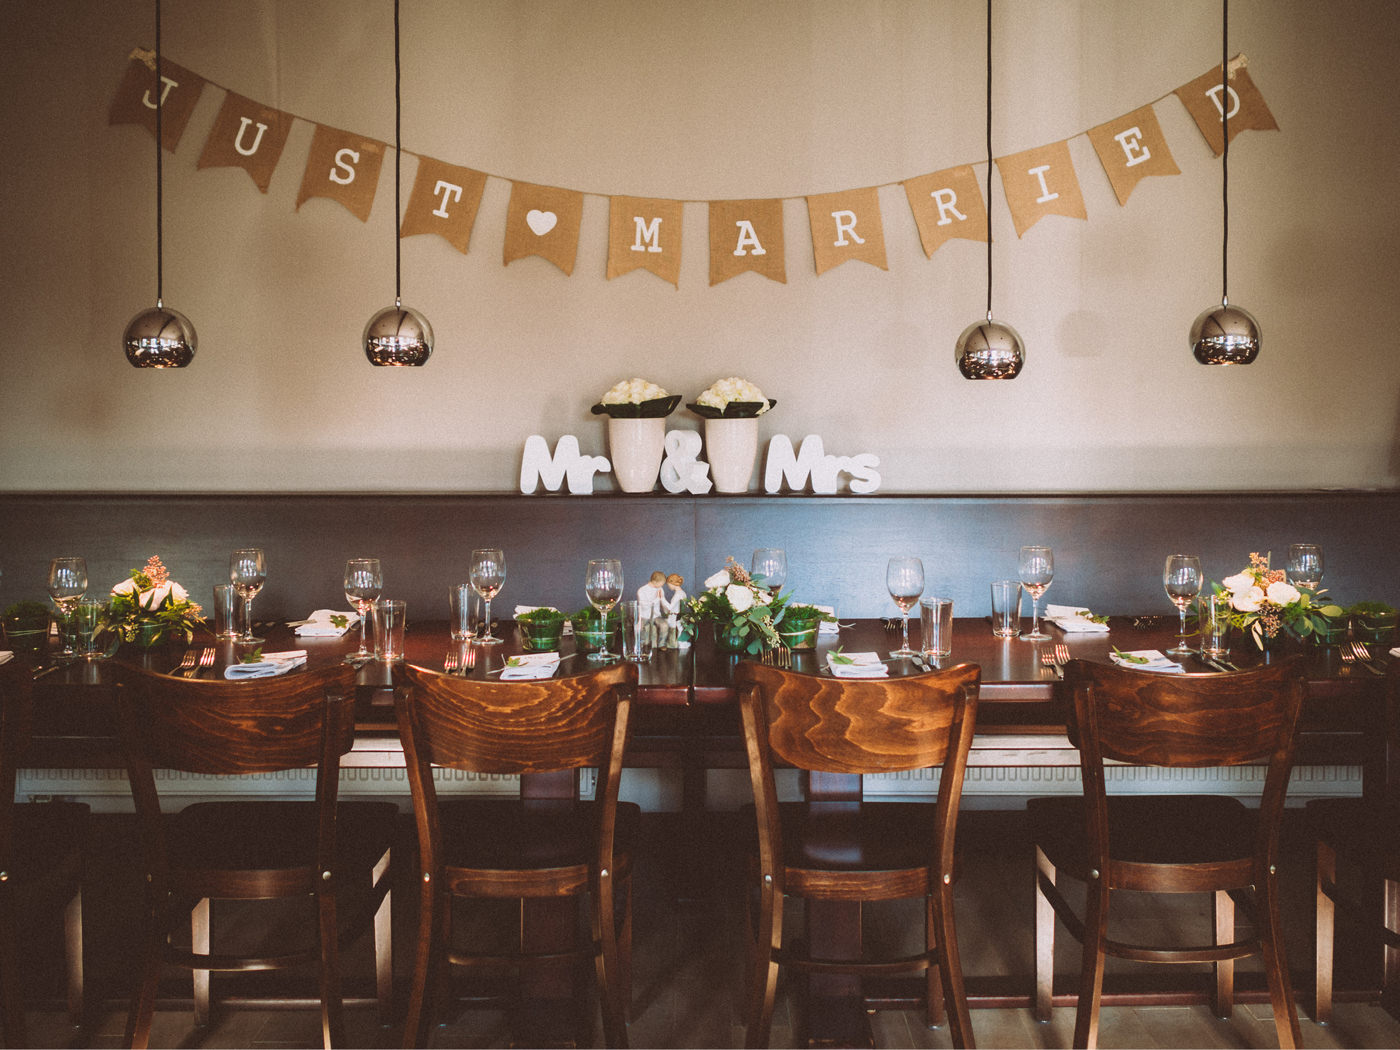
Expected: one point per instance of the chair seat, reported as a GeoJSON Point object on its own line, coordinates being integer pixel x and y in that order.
{"type": "Point", "coordinates": [1174, 830]}
{"type": "Point", "coordinates": [275, 836]}
{"type": "Point", "coordinates": [523, 834]}
{"type": "Point", "coordinates": [857, 836]}
{"type": "Point", "coordinates": [1364, 833]}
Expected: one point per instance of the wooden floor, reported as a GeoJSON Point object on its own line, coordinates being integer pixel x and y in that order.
{"type": "Point", "coordinates": [688, 960]}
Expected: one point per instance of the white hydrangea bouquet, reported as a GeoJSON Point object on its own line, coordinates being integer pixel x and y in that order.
{"type": "Point", "coordinates": [731, 398]}
{"type": "Point", "coordinates": [1265, 604]}
{"type": "Point", "coordinates": [150, 607]}
{"type": "Point", "coordinates": [636, 399]}
{"type": "Point", "coordinates": [745, 615]}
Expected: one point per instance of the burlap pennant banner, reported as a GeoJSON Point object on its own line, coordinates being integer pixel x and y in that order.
{"type": "Point", "coordinates": [444, 201]}
{"type": "Point", "coordinates": [543, 221]}
{"type": "Point", "coordinates": [344, 167]}
{"type": "Point", "coordinates": [247, 135]}
{"type": "Point", "coordinates": [1040, 182]}
{"type": "Point", "coordinates": [645, 234]}
{"type": "Point", "coordinates": [846, 226]}
{"type": "Point", "coordinates": [947, 204]}
{"type": "Point", "coordinates": [1247, 109]}
{"type": "Point", "coordinates": [137, 96]}
{"type": "Point", "coordinates": [746, 235]}
{"type": "Point", "coordinates": [1132, 148]}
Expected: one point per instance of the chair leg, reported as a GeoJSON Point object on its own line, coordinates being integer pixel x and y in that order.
{"type": "Point", "coordinates": [332, 1009]}
{"type": "Point", "coordinates": [12, 1024]}
{"type": "Point", "coordinates": [1224, 997]}
{"type": "Point", "coordinates": [1390, 989]}
{"type": "Point", "coordinates": [763, 977]}
{"type": "Point", "coordinates": [604, 923]}
{"type": "Point", "coordinates": [415, 1028]}
{"type": "Point", "coordinates": [1276, 965]}
{"type": "Point", "coordinates": [934, 1012]}
{"type": "Point", "coordinates": [1086, 1015]}
{"type": "Point", "coordinates": [1044, 939]}
{"type": "Point", "coordinates": [201, 940]}
{"type": "Point", "coordinates": [1323, 932]}
{"type": "Point", "coordinates": [73, 959]}
{"type": "Point", "coordinates": [384, 941]}
{"type": "Point", "coordinates": [624, 950]}
{"type": "Point", "coordinates": [950, 967]}
{"type": "Point", "coordinates": [143, 1002]}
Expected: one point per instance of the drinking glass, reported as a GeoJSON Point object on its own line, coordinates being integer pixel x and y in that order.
{"type": "Point", "coordinates": [68, 581]}
{"type": "Point", "coordinates": [247, 571]}
{"type": "Point", "coordinates": [488, 576]}
{"type": "Point", "coordinates": [603, 585]}
{"type": "Point", "coordinates": [364, 581]}
{"type": "Point", "coordinates": [904, 576]}
{"type": "Point", "coordinates": [1182, 578]}
{"type": "Point", "coordinates": [769, 568]}
{"type": "Point", "coordinates": [1036, 569]}
{"type": "Point", "coordinates": [1305, 565]}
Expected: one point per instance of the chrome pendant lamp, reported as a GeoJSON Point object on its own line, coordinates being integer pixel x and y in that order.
{"type": "Point", "coordinates": [989, 349]}
{"type": "Point", "coordinates": [397, 335]}
{"type": "Point", "coordinates": [1225, 334]}
{"type": "Point", "coordinates": [159, 337]}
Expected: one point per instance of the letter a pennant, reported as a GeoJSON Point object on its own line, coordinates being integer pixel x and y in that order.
{"type": "Point", "coordinates": [344, 167]}
{"type": "Point", "coordinates": [1248, 110]}
{"type": "Point", "coordinates": [1131, 148]}
{"type": "Point", "coordinates": [1040, 182]}
{"type": "Point", "coordinates": [247, 135]}
{"type": "Point", "coordinates": [137, 96]}
{"type": "Point", "coordinates": [746, 235]}
{"type": "Point", "coordinates": [644, 234]}
{"type": "Point", "coordinates": [444, 201]}
{"type": "Point", "coordinates": [543, 221]}
{"type": "Point", "coordinates": [845, 226]}
{"type": "Point", "coordinates": [947, 204]}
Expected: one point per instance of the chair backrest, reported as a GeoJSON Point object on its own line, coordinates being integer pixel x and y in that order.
{"type": "Point", "coordinates": [836, 725]}
{"type": "Point", "coordinates": [16, 711]}
{"type": "Point", "coordinates": [536, 726]}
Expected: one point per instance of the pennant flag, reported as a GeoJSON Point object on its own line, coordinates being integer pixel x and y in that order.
{"type": "Point", "coordinates": [947, 204]}
{"type": "Point", "coordinates": [247, 135]}
{"type": "Point", "coordinates": [137, 96]}
{"type": "Point", "coordinates": [344, 167]}
{"type": "Point", "coordinates": [543, 221]}
{"type": "Point", "coordinates": [1131, 148]}
{"type": "Point", "coordinates": [444, 201]}
{"type": "Point", "coordinates": [1040, 182]}
{"type": "Point", "coordinates": [746, 235]}
{"type": "Point", "coordinates": [846, 225]}
{"type": "Point", "coordinates": [644, 234]}
{"type": "Point", "coordinates": [1247, 108]}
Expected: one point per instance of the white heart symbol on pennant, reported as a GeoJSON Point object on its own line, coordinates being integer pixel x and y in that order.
{"type": "Point", "coordinates": [541, 222]}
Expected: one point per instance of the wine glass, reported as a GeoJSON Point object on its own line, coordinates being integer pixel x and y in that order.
{"type": "Point", "coordinates": [1305, 566]}
{"type": "Point", "coordinates": [1037, 569]}
{"type": "Point", "coordinates": [769, 568]}
{"type": "Point", "coordinates": [68, 582]}
{"type": "Point", "coordinates": [603, 585]}
{"type": "Point", "coordinates": [904, 577]}
{"type": "Point", "coordinates": [364, 581]}
{"type": "Point", "coordinates": [1182, 579]}
{"type": "Point", "coordinates": [247, 571]}
{"type": "Point", "coordinates": [488, 576]}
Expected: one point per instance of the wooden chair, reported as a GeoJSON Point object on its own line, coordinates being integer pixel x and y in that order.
{"type": "Point", "coordinates": [320, 851]}
{"type": "Point", "coordinates": [1365, 833]}
{"type": "Point", "coordinates": [540, 845]}
{"type": "Point", "coordinates": [41, 865]}
{"type": "Point", "coordinates": [854, 850]}
{"type": "Point", "coordinates": [1169, 843]}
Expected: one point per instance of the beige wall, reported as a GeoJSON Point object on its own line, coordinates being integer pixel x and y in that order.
{"type": "Point", "coordinates": [700, 100]}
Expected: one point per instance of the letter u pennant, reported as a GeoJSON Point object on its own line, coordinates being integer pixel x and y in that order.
{"type": "Point", "coordinates": [247, 135]}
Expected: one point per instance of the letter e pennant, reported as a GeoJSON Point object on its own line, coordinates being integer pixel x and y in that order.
{"type": "Point", "coordinates": [746, 235]}
{"type": "Point", "coordinates": [543, 221]}
{"type": "Point", "coordinates": [344, 167]}
{"type": "Point", "coordinates": [247, 135]}
{"type": "Point", "coordinates": [1248, 110]}
{"type": "Point", "coordinates": [947, 204]}
{"type": "Point", "coordinates": [644, 234]}
{"type": "Point", "coordinates": [1040, 182]}
{"type": "Point", "coordinates": [1131, 148]}
{"type": "Point", "coordinates": [444, 201]}
{"type": "Point", "coordinates": [846, 225]}
{"type": "Point", "coordinates": [137, 96]}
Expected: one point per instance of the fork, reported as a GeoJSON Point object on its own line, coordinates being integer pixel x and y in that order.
{"type": "Point", "coordinates": [468, 658]}
{"type": "Point", "coordinates": [1061, 657]}
{"type": "Point", "coordinates": [449, 663]}
{"type": "Point", "coordinates": [1047, 660]}
{"type": "Point", "coordinates": [1364, 656]}
{"type": "Point", "coordinates": [778, 656]}
{"type": "Point", "coordinates": [206, 661]}
{"type": "Point", "coordinates": [187, 663]}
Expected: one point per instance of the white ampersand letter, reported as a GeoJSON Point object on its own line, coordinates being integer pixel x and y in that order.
{"type": "Point", "coordinates": [681, 470]}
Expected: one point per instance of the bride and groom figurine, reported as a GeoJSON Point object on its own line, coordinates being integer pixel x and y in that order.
{"type": "Point", "coordinates": [660, 611]}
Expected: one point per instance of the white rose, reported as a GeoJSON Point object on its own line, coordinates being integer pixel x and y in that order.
{"type": "Point", "coordinates": [740, 597]}
{"type": "Point", "coordinates": [1281, 593]}
{"type": "Point", "coordinates": [125, 587]}
{"type": "Point", "coordinates": [1240, 582]}
{"type": "Point", "coordinates": [1247, 601]}
{"type": "Point", "coordinates": [719, 579]}
{"type": "Point", "coordinates": [763, 598]}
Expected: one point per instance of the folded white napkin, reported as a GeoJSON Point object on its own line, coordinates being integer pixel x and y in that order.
{"type": "Point", "coordinates": [6, 657]}
{"type": "Point", "coordinates": [270, 665]}
{"type": "Point", "coordinates": [1073, 619]}
{"type": "Point", "coordinates": [530, 665]}
{"type": "Point", "coordinates": [1153, 660]}
{"type": "Point", "coordinates": [861, 665]}
{"type": "Point", "coordinates": [1394, 652]}
{"type": "Point", "coordinates": [318, 624]}
{"type": "Point", "coordinates": [824, 627]}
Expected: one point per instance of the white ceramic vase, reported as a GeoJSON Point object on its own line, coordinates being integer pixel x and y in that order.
{"type": "Point", "coordinates": [731, 446]}
{"type": "Point", "coordinates": [636, 447]}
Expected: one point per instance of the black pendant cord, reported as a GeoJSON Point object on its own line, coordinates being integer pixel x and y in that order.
{"type": "Point", "coordinates": [1225, 154]}
{"type": "Point", "coordinates": [398, 164]}
{"type": "Point", "coordinates": [160, 224]}
{"type": "Point", "coordinates": [989, 160]}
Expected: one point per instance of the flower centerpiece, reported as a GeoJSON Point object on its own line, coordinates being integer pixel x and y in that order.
{"type": "Point", "coordinates": [745, 615]}
{"type": "Point", "coordinates": [1266, 605]}
{"type": "Point", "coordinates": [150, 607]}
{"type": "Point", "coordinates": [636, 411]}
{"type": "Point", "coordinates": [730, 408]}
